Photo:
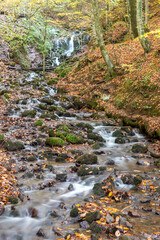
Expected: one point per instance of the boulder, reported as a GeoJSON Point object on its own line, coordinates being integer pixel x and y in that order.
{"type": "Point", "coordinates": [139, 148]}
{"type": "Point", "coordinates": [14, 145]}
{"type": "Point", "coordinates": [53, 141]}
{"type": "Point", "coordinates": [88, 158]}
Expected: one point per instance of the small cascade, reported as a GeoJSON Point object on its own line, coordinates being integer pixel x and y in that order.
{"type": "Point", "coordinates": [66, 46]}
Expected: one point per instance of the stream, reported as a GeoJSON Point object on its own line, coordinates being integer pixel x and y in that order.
{"type": "Point", "coordinates": [43, 194]}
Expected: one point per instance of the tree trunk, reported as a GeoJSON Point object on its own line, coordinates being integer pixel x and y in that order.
{"type": "Point", "coordinates": [146, 13]}
{"type": "Point", "coordinates": [133, 20]}
{"type": "Point", "coordinates": [99, 33]}
{"type": "Point", "coordinates": [144, 41]}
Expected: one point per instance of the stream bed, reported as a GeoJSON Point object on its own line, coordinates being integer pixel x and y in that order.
{"type": "Point", "coordinates": [51, 179]}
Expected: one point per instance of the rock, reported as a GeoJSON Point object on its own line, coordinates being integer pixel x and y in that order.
{"type": "Point", "coordinates": [157, 163]}
{"type": "Point", "coordinates": [110, 162]}
{"type": "Point", "coordinates": [57, 231]}
{"type": "Point", "coordinates": [33, 212]}
{"type": "Point", "coordinates": [31, 159]}
{"type": "Point", "coordinates": [74, 139]}
{"type": "Point", "coordinates": [47, 155]}
{"type": "Point", "coordinates": [98, 145]}
{"type": "Point", "coordinates": [120, 140]}
{"type": "Point", "coordinates": [1, 139]}
{"type": "Point", "coordinates": [43, 106]}
{"type": "Point", "coordinates": [109, 122]}
{"type": "Point", "coordinates": [74, 212]}
{"type": "Point", "coordinates": [47, 100]}
{"type": "Point", "coordinates": [84, 225]}
{"type": "Point", "coordinates": [2, 209]}
{"type": "Point", "coordinates": [35, 143]}
{"type": "Point", "coordinates": [129, 179]}
{"type": "Point", "coordinates": [139, 148]}
{"type": "Point", "coordinates": [75, 220]}
{"type": "Point", "coordinates": [95, 137]}
{"type": "Point", "coordinates": [96, 228]}
{"type": "Point", "coordinates": [92, 216]}
{"type": "Point", "coordinates": [62, 177]}
{"type": "Point", "coordinates": [94, 237]}
{"type": "Point", "coordinates": [61, 158]}
{"type": "Point", "coordinates": [155, 155]}
{"type": "Point", "coordinates": [133, 213]}
{"type": "Point", "coordinates": [78, 103]}
{"type": "Point", "coordinates": [146, 200]}
{"type": "Point", "coordinates": [70, 187]}
{"type": "Point", "coordinates": [109, 218]}
{"type": "Point", "coordinates": [13, 145]}
{"type": "Point", "coordinates": [143, 162]}
{"type": "Point", "coordinates": [97, 189]}
{"type": "Point", "coordinates": [85, 170]}
{"type": "Point", "coordinates": [85, 126]}
{"type": "Point", "coordinates": [29, 113]}
{"type": "Point", "coordinates": [52, 141]}
{"type": "Point", "coordinates": [62, 127]}
{"type": "Point", "coordinates": [52, 108]}
{"type": "Point", "coordinates": [41, 233]}
{"type": "Point", "coordinates": [117, 133]}
{"type": "Point", "coordinates": [128, 130]}
{"type": "Point", "coordinates": [88, 158]}
{"type": "Point", "coordinates": [54, 214]}
{"type": "Point", "coordinates": [51, 133]}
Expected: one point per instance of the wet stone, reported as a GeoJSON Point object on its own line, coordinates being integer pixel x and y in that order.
{"type": "Point", "coordinates": [14, 145]}
{"type": "Point", "coordinates": [92, 216]}
{"type": "Point", "coordinates": [96, 228]}
{"type": "Point", "coordinates": [70, 187]}
{"type": "Point", "coordinates": [139, 148]}
{"type": "Point", "coordinates": [120, 140]}
{"type": "Point", "coordinates": [143, 162]}
{"type": "Point", "coordinates": [74, 212]}
{"type": "Point", "coordinates": [41, 233]}
{"type": "Point", "coordinates": [110, 162]}
{"type": "Point", "coordinates": [117, 133]}
{"type": "Point", "coordinates": [62, 177]}
{"type": "Point", "coordinates": [33, 212]}
{"type": "Point", "coordinates": [84, 225]}
{"type": "Point", "coordinates": [87, 159]}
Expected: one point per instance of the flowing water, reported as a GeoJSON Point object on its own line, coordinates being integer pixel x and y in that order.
{"type": "Point", "coordinates": [17, 224]}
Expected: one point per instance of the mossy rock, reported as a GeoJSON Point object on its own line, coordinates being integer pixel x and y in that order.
{"type": "Point", "coordinates": [98, 145]}
{"type": "Point", "coordinates": [60, 135]}
{"type": "Point", "coordinates": [53, 141]}
{"type": "Point", "coordinates": [88, 158]}
{"type": "Point", "coordinates": [157, 163]}
{"type": "Point", "coordinates": [137, 180]}
{"type": "Point", "coordinates": [120, 140]}
{"type": "Point", "coordinates": [92, 216]}
{"type": "Point", "coordinates": [29, 113]}
{"type": "Point", "coordinates": [139, 148]}
{"type": "Point", "coordinates": [74, 212]}
{"type": "Point", "coordinates": [61, 158]}
{"type": "Point", "coordinates": [14, 145]}
{"type": "Point", "coordinates": [12, 200]}
{"type": "Point", "coordinates": [46, 115]}
{"type": "Point", "coordinates": [52, 108]}
{"type": "Point", "coordinates": [95, 137]}
{"type": "Point", "coordinates": [51, 133]}
{"type": "Point", "coordinates": [46, 155]}
{"type": "Point", "coordinates": [32, 159]}
{"type": "Point", "coordinates": [1, 138]}
{"type": "Point", "coordinates": [43, 106]}
{"type": "Point", "coordinates": [74, 139]}
{"type": "Point", "coordinates": [62, 177]}
{"type": "Point", "coordinates": [96, 227]}
{"type": "Point", "coordinates": [98, 190]}
{"type": "Point", "coordinates": [85, 126]}
{"type": "Point", "coordinates": [47, 100]}
{"type": "Point", "coordinates": [63, 127]}
{"type": "Point", "coordinates": [85, 170]}
{"type": "Point", "coordinates": [128, 130]}
{"type": "Point", "coordinates": [117, 133]}
{"type": "Point", "coordinates": [78, 103]}
{"type": "Point", "coordinates": [39, 122]}
{"type": "Point", "coordinates": [130, 122]}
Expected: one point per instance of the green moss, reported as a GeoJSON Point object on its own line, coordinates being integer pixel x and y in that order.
{"type": "Point", "coordinates": [63, 127]}
{"type": "Point", "coordinates": [39, 123]}
{"type": "Point", "coordinates": [42, 106]}
{"type": "Point", "coordinates": [52, 108]}
{"type": "Point", "coordinates": [87, 159]}
{"type": "Point", "coordinates": [74, 139]}
{"type": "Point", "coordinates": [53, 141]}
{"type": "Point", "coordinates": [51, 133]}
{"type": "Point", "coordinates": [6, 95]}
{"type": "Point", "coordinates": [60, 135]}
{"type": "Point", "coordinates": [29, 113]}
{"type": "Point", "coordinates": [92, 216]}
{"type": "Point", "coordinates": [74, 212]}
{"type": "Point", "coordinates": [1, 138]}
{"type": "Point", "coordinates": [13, 145]}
